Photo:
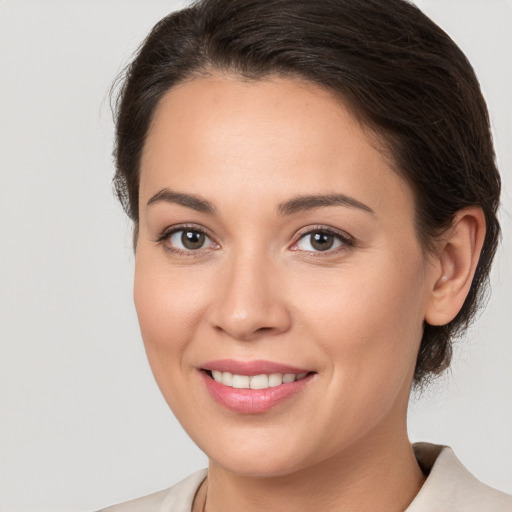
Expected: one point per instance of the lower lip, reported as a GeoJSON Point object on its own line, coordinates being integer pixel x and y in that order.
{"type": "Point", "coordinates": [253, 401]}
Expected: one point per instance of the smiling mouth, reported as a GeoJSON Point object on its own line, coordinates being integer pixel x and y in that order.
{"type": "Point", "coordinates": [253, 387]}
{"type": "Point", "coordinates": [262, 381]}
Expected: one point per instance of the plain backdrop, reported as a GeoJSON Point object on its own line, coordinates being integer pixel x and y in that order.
{"type": "Point", "coordinates": [83, 424]}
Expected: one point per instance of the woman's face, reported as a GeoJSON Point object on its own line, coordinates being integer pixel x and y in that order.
{"type": "Point", "coordinates": [275, 240]}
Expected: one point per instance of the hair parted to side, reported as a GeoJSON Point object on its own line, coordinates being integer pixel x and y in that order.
{"type": "Point", "coordinates": [399, 73]}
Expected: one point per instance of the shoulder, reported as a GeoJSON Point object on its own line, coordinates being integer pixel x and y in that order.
{"type": "Point", "coordinates": [451, 487]}
{"type": "Point", "coordinates": [177, 498]}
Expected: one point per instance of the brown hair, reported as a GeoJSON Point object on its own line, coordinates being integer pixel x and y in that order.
{"type": "Point", "coordinates": [401, 75]}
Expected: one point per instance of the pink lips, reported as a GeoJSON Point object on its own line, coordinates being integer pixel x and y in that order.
{"type": "Point", "coordinates": [251, 367]}
{"type": "Point", "coordinates": [252, 401]}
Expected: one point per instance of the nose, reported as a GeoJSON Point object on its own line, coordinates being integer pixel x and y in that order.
{"type": "Point", "coordinates": [249, 301]}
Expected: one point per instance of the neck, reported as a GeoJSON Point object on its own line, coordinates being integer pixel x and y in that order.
{"type": "Point", "coordinates": [379, 473]}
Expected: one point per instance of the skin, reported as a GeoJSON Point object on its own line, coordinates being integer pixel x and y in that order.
{"type": "Point", "coordinates": [258, 290]}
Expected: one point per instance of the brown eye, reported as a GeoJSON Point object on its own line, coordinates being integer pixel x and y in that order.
{"type": "Point", "coordinates": [188, 239]}
{"type": "Point", "coordinates": [192, 239]}
{"type": "Point", "coordinates": [320, 241]}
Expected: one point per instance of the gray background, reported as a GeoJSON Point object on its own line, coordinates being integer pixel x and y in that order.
{"type": "Point", "coordinates": [82, 421]}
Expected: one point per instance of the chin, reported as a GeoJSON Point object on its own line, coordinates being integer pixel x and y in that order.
{"type": "Point", "coordinates": [257, 459]}
{"type": "Point", "coordinates": [262, 468]}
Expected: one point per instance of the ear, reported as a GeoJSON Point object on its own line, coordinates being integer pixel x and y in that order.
{"type": "Point", "coordinates": [455, 265]}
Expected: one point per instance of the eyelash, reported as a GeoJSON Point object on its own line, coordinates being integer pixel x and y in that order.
{"type": "Point", "coordinates": [346, 240]}
{"type": "Point", "coordinates": [168, 232]}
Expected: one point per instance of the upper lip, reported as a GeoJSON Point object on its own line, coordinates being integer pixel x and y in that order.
{"type": "Point", "coordinates": [251, 368]}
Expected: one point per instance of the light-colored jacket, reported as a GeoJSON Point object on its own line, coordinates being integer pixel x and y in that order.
{"type": "Point", "coordinates": [449, 487]}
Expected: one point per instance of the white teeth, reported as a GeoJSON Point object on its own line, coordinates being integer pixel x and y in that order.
{"type": "Point", "coordinates": [259, 382]}
{"type": "Point", "coordinates": [241, 381]}
{"type": "Point", "coordinates": [227, 378]}
{"type": "Point", "coordinates": [288, 377]}
{"type": "Point", "coordinates": [275, 379]}
{"type": "Point", "coordinates": [262, 381]}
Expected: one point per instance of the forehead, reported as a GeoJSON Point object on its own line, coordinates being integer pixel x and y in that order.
{"type": "Point", "coordinates": [275, 136]}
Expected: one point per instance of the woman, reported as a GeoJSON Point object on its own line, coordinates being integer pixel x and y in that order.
{"type": "Point", "coordinates": [314, 197]}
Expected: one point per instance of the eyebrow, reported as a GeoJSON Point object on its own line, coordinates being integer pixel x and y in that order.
{"type": "Point", "coordinates": [311, 202]}
{"type": "Point", "coordinates": [197, 203]}
{"type": "Point", "coordinates": [294, 205]}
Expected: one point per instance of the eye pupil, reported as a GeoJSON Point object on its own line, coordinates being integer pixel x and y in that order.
{"type": "Point", "coordinates": [322, 241]}
{"type": "Point", "coordinates": [192, 239]}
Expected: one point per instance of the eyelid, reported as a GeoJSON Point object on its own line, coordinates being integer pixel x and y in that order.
{"type": "Point", "coordinates": [170, 230]}
{"type": "Point", "coordinates": [347, 240]}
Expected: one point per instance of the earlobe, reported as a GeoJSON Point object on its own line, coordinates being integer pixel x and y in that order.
{"type": "Point", "coordinates": [456, 264]}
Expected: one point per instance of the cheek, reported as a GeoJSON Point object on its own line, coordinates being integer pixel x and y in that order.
{"type": "Point", "coordinates": [368, 327]}
{"type": "Point", "coordinates": [169, 308]}
{"type": "Point", "coordinates": [368, 320]}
